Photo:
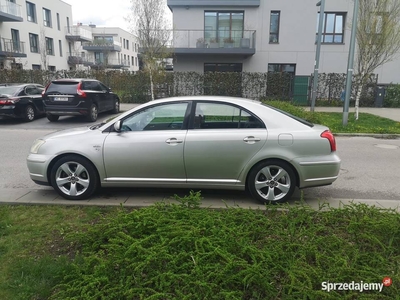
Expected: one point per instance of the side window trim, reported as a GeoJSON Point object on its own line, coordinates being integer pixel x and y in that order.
{"type": "Point", "coordinates": [241, 109]}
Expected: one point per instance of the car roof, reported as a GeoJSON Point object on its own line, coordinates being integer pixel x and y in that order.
{"type": "Point", "coordinates": [19, 84]}
{"type": "Point", "coordinates": [73, 80]}
{"type": "Point", "coordinates": [234, 100]}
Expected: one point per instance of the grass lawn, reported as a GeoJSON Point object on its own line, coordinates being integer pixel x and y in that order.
{"type": "Point", "coordinates": [366, 123]}
{"type": "Point", "coordinates": [180, 251]}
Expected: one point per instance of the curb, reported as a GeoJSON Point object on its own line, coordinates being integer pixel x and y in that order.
{"type": "Point", "coordinates": [387, 136]}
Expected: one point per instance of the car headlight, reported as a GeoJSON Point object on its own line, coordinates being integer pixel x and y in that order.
{"type": "Point", "coordinates": [36, 145]}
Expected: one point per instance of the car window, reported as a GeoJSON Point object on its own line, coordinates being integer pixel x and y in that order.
{"type": "Point", "coordinates": [103, 87]}
{"type": "Point", "coordinates": [66, 87]}
{"type": "Point", "coordinates": [161, 117]}
{"type": "Point", "coordinates": [30, 90]}
{"type": "Point", "coordinates": [91, 86]}
{"type": "Point", "coordinates": [223, 116]}
{"type": "Point", "coordinates": [9, 90]}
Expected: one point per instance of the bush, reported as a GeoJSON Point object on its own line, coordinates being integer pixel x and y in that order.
{"type": "Point", "coordinates": [392, 96]}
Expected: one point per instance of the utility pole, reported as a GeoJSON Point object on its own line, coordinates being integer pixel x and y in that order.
{"type": "Point", "coordinates": [350, 65]}
{"type": "Point", "coordinates": [318, 53]}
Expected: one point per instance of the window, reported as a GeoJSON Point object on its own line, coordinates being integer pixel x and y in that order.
{"type": "Point", "coordinates": [333, 28]}
{"type": "Point", "coordinates": [274, 27]}
{"type": "Point", "coordinates": [222, 67]}
{"type": "Point", "coordinates": [133, 62]}
{"type": "Point", "coordinates": [160, 117]}
{"type": "Point", "coordinates": [223, 116]}
{"type": "Point", "coordinates": [282, 68]}
{"type": "Point", "coordinates": [31, 11]}
{"type": "Point", "coordinates": [15, 40]}
{"type": "Point", "coordinates": [49, 46]}
{"type": "Point", "coordinates": [69, 31]}
{"type": "Point", "coordinates": [58, 21]}
{"type": "Point", "coordinates": [34, 42]}
{"type": "Point", "coordinates": [127, 44]}
{"type": "Point", "coordinates": [36, 67]}
{"type": "Point", "coordinates": [124, 43]}
{"type": "Point", "coordinates": [223, 26]}
{"type": "Point", "coordinates": [60, 47]}
{"type": "Point", "coordinates": [52, 68]}
{"type": "Point", "coordinates": [46, 17]}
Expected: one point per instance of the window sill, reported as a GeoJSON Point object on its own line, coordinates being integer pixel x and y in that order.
{"type": "Point", "coordinates": [339, 44]}
{"type": "Point", "coordinates": [274, 43]}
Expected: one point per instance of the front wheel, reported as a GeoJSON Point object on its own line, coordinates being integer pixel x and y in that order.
{"type": "Point", "coordinates": [29, 114]}
{"type": "Point", "coordinates": [93, 112]}
{"type": "Point", "coordinates": [74, 178]}
{"type": "Point", "coordinates": [272, 181]}
{"type": "Point", "coordinates": [116, 106]}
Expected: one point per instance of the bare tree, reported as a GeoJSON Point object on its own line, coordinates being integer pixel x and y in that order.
{"type": "Point", "coordinates": [378, 39]}
{"type": "Point", "coordinates": [148, 19]}
{"type": "Point", "coordinates": [44, 58]}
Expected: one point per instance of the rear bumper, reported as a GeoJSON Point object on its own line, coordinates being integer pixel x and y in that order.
{"type": "Point", "coordinates": [318, 171]}
{"type": "Point", "coordinates": [8, 111]}
{"type": "Point", "coordinates": [82, 109]}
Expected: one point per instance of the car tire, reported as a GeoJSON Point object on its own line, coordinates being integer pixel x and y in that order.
{"type": "Point", "coordinates": [29, 113]}
{"type": "Point", "coordinates": [272, 181]}
{"type": "Point", "coordinates": [93, 113]}
{"type": "Point", "coordinates": [52, 118]}
{"type": "Point", "coordinates": [116, 106]}
{"type": "Point", "coordinates": [74, 177]}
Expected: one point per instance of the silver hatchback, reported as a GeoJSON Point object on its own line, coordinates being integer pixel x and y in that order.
{"type": "Point", "coordinates": [202, 142]}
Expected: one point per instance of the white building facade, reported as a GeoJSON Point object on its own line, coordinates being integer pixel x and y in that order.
{"type": "Point", "coordinates": [264, 35]}
{"type": "Point", "coordinates": [39, 34]}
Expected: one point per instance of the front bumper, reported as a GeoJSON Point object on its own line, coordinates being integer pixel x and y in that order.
{"type": "Point", "coordinates": [37, 166]}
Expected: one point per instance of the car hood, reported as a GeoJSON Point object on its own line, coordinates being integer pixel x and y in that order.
{"type": "Point", "coordinates": [67, 133]}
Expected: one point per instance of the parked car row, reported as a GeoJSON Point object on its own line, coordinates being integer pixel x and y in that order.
{"type": "Point", "coordinates": [61, 97]}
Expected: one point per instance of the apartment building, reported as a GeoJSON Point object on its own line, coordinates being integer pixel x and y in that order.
{"type": "Point", "coordinates": [264, 35]}
{"type": "Point", "coordinates": [95, 47]}
{"type": "Point", "coordinates": [39, 34]}
{"type": "Point", "coordinates": [32, 34]}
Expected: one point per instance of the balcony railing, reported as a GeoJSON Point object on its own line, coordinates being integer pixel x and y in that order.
{"type": "Point", "coordinates": [78, 33]}
{"type": "Point", "coordinates": [101, 45]}
{"type": "Point", "coordinates": [10, 48]}
{"type": "Point", "coordinates": [208, 3]}
{"type": "Point", "coordinates": [111, 63]}
{"type": "Point", "coordinates": [241, 42]}
{"type": "Point", "coordinates": [10, 12]}
{"type": "Point", "coordinates": [77, 58]}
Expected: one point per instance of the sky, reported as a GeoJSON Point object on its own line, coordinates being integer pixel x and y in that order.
{"type": "Point", "coordinates": [101, 13]}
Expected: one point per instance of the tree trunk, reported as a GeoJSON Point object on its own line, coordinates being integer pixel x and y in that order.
{"type": "Point", "coordinates": [358, 96]}
{"type": "Point", "coordinates": [151, 84]}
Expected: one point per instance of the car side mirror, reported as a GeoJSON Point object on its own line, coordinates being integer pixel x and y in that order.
{"type": "Point", "coordinates": [117, 126]}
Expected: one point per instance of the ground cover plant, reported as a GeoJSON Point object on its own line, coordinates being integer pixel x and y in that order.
{"type": "Point", "coordinates": [181, 251]}
{"type": "Point", "coordinates": [366, 123]}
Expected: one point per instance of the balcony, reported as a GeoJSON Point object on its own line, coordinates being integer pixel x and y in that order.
{"type": "Point", "coordinates": [10, 12]}
{"type": "Point", "coordinates": [240, 42]}
{"type": "Point", "coordinates": [10, 48]}
{"type": "Point", "coordinates": [101, 46]}
{"type": "Point", "coordinates": [211, 3]}
{"type": "Point", "coordinates": [76, 58]}
{"type": "Point", "coordinates": [110, 64]}
{"type": "Point", "coordinates": [78, 33]}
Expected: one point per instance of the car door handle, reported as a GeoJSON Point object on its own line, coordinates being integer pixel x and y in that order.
{"type": "Point", "coordinates": [173, 141]}
{"type": "Point", "coordinates": [251, 139]}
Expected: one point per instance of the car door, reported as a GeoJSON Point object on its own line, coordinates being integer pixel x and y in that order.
{"type": "Point", "coordinates": [35, 92]}
{"type": "Point", "coordinates": [149, 147]}
{"type": "Point", "coordinates": [108, 97]}
{"type": "Point", "coordinates": [92, 88]}
{"type": "Point", "coordinates": [222, 139]}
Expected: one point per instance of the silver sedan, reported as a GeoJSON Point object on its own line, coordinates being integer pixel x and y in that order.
{"type": "Point", "coordinates": [202, 142]}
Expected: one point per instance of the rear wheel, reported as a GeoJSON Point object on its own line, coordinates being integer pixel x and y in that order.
{"type": "Point", "coordinates": [93, 112]}
{"type": "Point", "coordinates": [52, 118]}
{"type": "Point", "coordinates": [74, 177]}
{"type": "Point", "coordinates": [272, 181]}
{"type": "Point", "coordinates": [29, 113]}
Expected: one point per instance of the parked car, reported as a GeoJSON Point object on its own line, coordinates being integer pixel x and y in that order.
{"type": "Point", "coordinates": [21, 100]}
{"type": "Point", "coordinates": [201, 142]}
{"type": "Point", "coordinates": [79, 97]}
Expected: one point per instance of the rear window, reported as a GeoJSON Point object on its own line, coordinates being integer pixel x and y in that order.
{"type": "Point", "coordinates": [291, 116]}
{"type": "Point", "coordinates": [63, 87]}
{"type": "Point", "coordinates": [8, 90]}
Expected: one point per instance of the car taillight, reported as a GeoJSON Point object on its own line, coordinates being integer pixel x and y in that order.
{"type": "Point", "coordinates": [81, 93]}
{"type": "Point", "coordinates": [331, 138]}
{"type": "Point", "coordinates": [9, 101]}
{"type": "Point", "coordinates": [45, 89]}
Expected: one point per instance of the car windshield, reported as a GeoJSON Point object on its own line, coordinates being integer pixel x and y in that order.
{"type": "Point", "coordinates": [309, 124]}
{"type": "Point", "coordinates": [9, 90]}
{"type": "Point", "coordinates": [69, 87]}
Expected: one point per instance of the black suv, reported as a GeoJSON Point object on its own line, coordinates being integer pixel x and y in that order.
{"type": "Point", "coordinates": [85, 97]}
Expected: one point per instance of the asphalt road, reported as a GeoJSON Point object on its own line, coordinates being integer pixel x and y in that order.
{"type": "Point", "coordinates": [370, 167]}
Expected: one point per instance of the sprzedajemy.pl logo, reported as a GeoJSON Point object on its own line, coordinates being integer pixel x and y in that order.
{"type": "Point", "coordinates": [356, 286]}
